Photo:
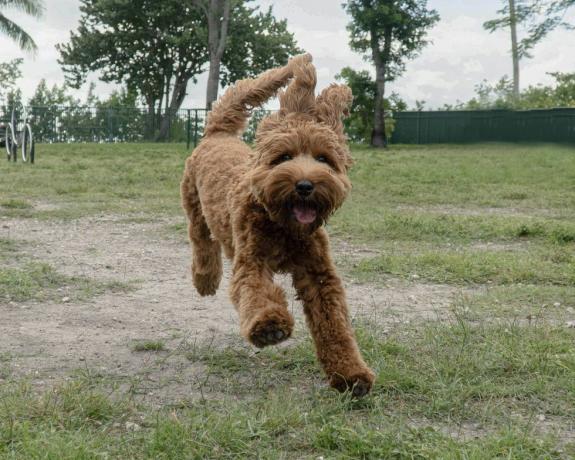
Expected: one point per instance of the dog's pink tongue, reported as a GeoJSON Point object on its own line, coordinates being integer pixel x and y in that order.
{"type": "Point", "coordinates": [304, 215]}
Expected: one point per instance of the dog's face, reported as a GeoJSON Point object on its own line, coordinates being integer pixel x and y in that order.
{"type": "Point", "coordinates": [300, 171]}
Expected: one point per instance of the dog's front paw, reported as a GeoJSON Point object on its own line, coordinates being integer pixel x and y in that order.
{"type": "Point", "coordinates": [269, 326]}
{"type": "Point", "coordinates": [359, 382]}
{"type": "Point", "coordinates": [206, 283]}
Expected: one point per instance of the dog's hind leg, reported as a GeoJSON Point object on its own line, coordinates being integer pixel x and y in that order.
{"type": "Point", "coordinates": [206, 252]}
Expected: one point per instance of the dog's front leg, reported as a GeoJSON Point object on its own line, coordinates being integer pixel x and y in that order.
{"type": "Point", "coordinates": [321, 291]}
{"type": "Point", "coordinates": [261, 304]}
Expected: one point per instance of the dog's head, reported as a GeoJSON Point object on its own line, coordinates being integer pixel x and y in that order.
{"type": "Point", "coordinates": [299, 171]}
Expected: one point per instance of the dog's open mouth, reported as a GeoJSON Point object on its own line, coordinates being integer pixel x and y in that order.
{"type": "Point", "coordinates": [304, 214]}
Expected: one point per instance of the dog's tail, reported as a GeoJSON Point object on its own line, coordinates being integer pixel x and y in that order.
{"type": "Point", "coordinates": [231, 112]}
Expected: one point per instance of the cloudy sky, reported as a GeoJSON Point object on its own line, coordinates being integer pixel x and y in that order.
{"type": "Point", "coordinates": [461, 54]}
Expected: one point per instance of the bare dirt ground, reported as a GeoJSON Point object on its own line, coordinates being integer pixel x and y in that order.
{"type": "Point", "coordinates": [48, 340]}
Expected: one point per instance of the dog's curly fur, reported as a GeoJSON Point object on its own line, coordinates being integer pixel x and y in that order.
{"type": "Point", "coordinates": [257, 205]}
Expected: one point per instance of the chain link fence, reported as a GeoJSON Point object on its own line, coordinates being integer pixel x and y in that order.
{"type": "Point", "coordinates": [120, 124]}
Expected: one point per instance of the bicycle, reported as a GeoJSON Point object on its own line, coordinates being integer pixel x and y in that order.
{"type": "Point", "coordinates": [11, 138]}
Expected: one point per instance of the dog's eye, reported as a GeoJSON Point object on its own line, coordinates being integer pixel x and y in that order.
{"type": "Point", "coordinates": [282, 158]}
{"type": "Point", "coordinates": [322, 159]}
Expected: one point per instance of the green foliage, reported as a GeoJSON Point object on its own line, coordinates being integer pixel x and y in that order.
{"type": "Point", "coordinates": [57, 95]}
{"type": "Point", "coordinates": [389, 30]}
{"type": "Point", "coordinates": [10, 95]}
{"type": "Point", "coordinates": [359, 125]}
{"type": "Point", "coordinates": [256, 41]}
{"type": "Point", "coordinates": [120, 39]}
{"type": "Point", "coordinates": [500, 95]}
{"type": "Point", "coordinates": [14, 31]}
{"type": "Point", "coordinates": [539, 17]}
{"type": "Point", "coordinates": [387, 33]}
{"type": "Point", "coordinates": [9, 73]}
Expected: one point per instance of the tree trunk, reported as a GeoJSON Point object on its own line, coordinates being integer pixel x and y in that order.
{"type": "Point", "coordinates": [381, 61]}
{"type": "Point", "coordinates": [514, 47]}
{"type": "Point", "coordinates": [218, 15]}
{"type": "Point", "coordinates": [378, 136]}
{"type": "Point", "coordinates": [213, 81]}
{"type": "Point", "coordinates": [151, 103]}
{"type": "Point", "coordinates": [178, 95]}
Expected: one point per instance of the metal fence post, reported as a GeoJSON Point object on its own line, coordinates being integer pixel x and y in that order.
{"type": "Point", "coordinates": [189, 129]}
{"type": "Point", "coordinates": [195, 128]}
{"type": "Point", "coordinates": [419, 127]}
{"type": "Point", "coordinates": [110, 125]}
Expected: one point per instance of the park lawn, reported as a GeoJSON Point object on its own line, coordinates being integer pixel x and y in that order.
{"type": "Point", "coordinates": [493, 379]}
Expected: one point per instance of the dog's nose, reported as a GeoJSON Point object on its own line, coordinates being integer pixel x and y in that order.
{"type": "Point", "coordinates": [304, 187]}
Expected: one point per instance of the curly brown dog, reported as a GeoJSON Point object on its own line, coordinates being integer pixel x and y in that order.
{"type": "Point", "coordinates": [266, 208]}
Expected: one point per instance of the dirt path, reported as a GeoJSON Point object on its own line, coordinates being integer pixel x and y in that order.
{"type": "Point", "coordinates": [48, 340]}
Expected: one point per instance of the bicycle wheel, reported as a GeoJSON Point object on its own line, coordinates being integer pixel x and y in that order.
{"type": "Point", "coordinates": [11, 145]}
{"type": "Point", "coordinates": [27, 143]}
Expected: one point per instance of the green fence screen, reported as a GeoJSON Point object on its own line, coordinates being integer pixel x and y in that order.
{"type": "Point", "coordinates": [451, 127]}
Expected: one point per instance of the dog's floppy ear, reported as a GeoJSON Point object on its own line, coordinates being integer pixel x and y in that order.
{"type": "Point", "coordinates": [300, 94]}
{"type": "Point", "coordinates": [332, 105]}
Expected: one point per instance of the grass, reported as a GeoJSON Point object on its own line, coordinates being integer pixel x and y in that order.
{"type": "Point", "coordinates": [23, 279]}
{"type": "Point", "coordinates": [40, 282]}
{"type": "Point", "coordinates": [539, 265]}
{"type": "Point", "coordinates": [15, 204]}
{"type": "Point", "coordinates": [88, 179]}
{"type": "Point", "coordinates": [149, 345]}
{"type": "Point", "coordinates": [498, 379]}
{"type": "Point", "coordinates": [493, 377]}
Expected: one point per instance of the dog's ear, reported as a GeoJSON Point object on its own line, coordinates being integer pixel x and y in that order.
{"type": "Point", "coordinates": [332, 105]}
{"type": "Point", "coordinates": [300, 94]}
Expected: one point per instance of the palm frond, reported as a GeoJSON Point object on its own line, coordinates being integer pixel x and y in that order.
{"type": "Point", "coordinates": [16, 33]}
{"type": "Point", "coordinates": [32, 7]}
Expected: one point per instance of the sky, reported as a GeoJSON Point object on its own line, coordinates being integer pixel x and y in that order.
{"type": "Point", "coordinates": [461, 53]}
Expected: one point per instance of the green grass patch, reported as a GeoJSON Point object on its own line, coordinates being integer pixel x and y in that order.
{"type": "Point", "coordinates": [431, 382]}
{"type": "Point", "coordinates": [149, 345]}
{"type": "Point", "coordinates": [425, 226]}
{"type": "Point", "coordinates": [15, 204]}
{"type": "Point", "coordinates": [88, 179]}
{"type": "Point", "coordinates": [538, 265]}
{"type": "Point", "coordinates": [8, 249]}
{"type": "Point", "coordinates": [40, 281]}
{"type": "Point", "coordinates": [521, 301]}
{"type": "Point", "coordinates": [521, 177]}
{"type": "Point", "coordinates": [497, 216]}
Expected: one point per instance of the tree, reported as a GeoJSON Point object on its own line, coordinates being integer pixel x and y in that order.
{"type": "Point", "coordinates": [245, 40]}
{"type": "Point", "coordinates": [359, 124]}
{"type": "Point", "coordinates": [501, 95]}
{"type": "Point", "coordinates": [217, 14]}
{"type": "Point", "coordinates": [155, 48]}
{"type": "Point", "coordinates": [538, 17]}
{"type": "Point", "coordinates": [14, 31]}
{"type": "Point", "coordinates": [10, 73]}
{"type": "Point", "coordinates": [56, 96]}
{"type": "Point", "coordinates": [388, 32]}
{"type": "Point", "coordinates": [257, 42]}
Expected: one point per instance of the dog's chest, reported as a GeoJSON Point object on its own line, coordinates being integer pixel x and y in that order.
{"type": "Point", "coordinates": [285, 254]}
